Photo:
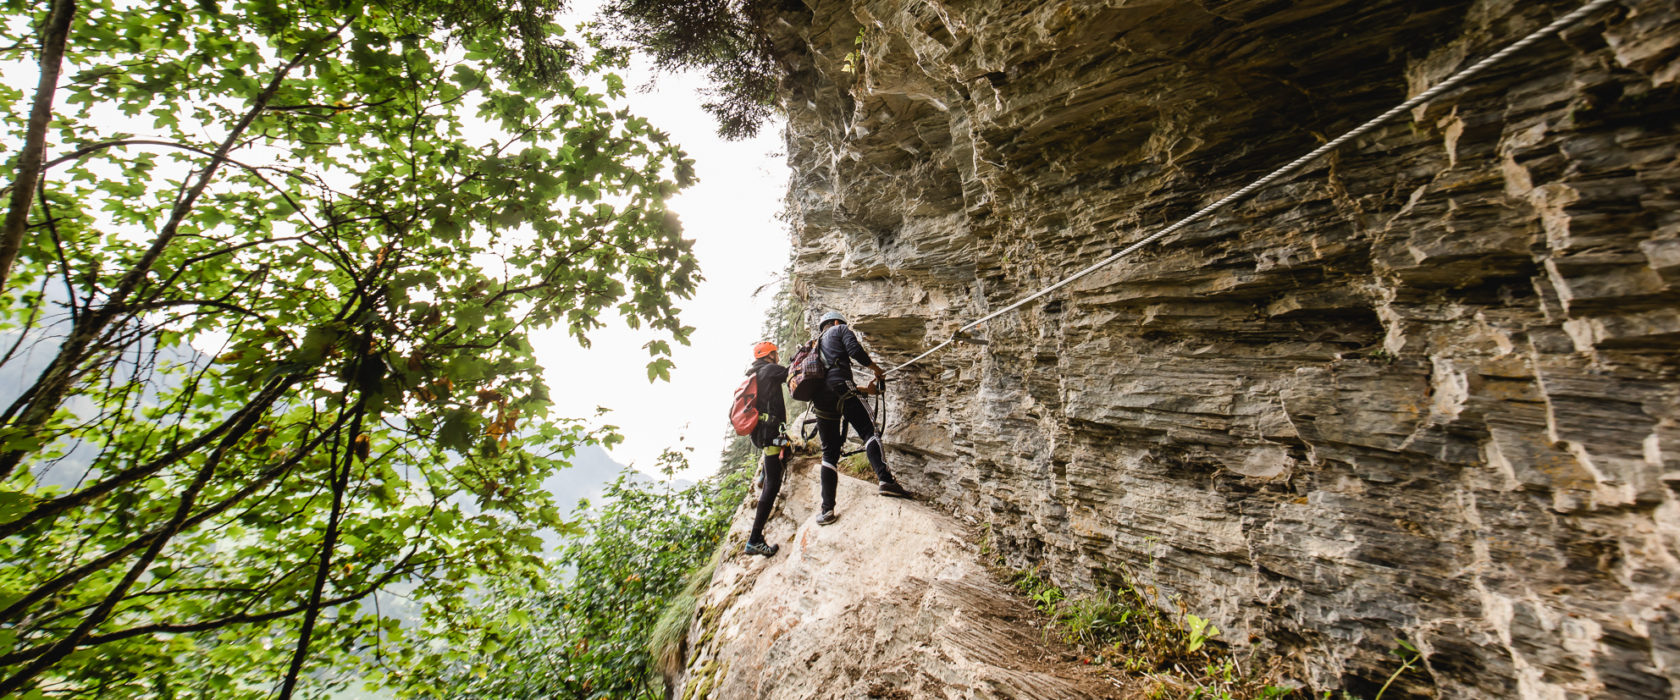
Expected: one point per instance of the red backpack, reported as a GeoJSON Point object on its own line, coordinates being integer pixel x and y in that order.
{"type": "Point", "coordinates": [806, 371]}
{"type": "Point", "coordinates": [743, 414]}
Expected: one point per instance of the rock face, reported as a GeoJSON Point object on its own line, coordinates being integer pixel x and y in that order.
{"type": "Point", "coordinates": [1425, 389]}
{"type": "Point", "coordinates": [888, 602]}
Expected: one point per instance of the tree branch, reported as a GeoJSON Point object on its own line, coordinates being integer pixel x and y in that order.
{"type": "Point", "coordinates": [255, 171]}
{"type": "Point", "coordinates": [60, 582]}
{"type": "Point", "coordinates": [41, 401]}
{"type": "Point", "coordinates": [245, 416]}
{"type": "Point", "coordinates": [28, 325]}
{"type": "Point", "coordinates": [58, 246]}
{"type": "Point", "coordinates": [330, 108]}
{"type": "Point", "coordinates": [391, 574]}
{"type": "Point", "coordinates": [340, 484]}
{"type": "Point", "coordinates": [69, 643]}
{"type": "Point", "coordinates": [167, 303]}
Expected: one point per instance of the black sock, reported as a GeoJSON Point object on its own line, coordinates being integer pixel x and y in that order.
{"type": "Point", "coordinates": [878, 461]}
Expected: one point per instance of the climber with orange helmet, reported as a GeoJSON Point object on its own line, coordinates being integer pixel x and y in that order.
{"type": "Point", "coordinates": [838, 403]}
{"type": "Point", "coordinates": [768, 437]}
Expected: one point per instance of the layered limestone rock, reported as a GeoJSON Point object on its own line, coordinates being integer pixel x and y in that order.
{"type": "Point", "coordinates": [1425, 389]}
{"type": "Point", "coordinates": [888, 602]}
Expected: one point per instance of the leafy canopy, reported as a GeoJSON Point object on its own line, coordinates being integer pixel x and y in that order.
{"type": "Point", "coordinates": [268, 329]}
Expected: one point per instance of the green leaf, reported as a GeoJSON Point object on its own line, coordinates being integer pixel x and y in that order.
{"type": "Point", "coordinates": [20, 440]}
{"type": "Point", "coordinates": [456, 432]}
{"type": "Point", "coordinates": [316, 343]}
{"type": "Point", "coordinates": [1201, 630]}
{"type": "Point", "coordinates": [14, 505]}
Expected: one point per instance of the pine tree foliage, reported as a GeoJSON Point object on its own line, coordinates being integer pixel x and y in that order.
{"type": "Point", "coordinates": [725, 39]}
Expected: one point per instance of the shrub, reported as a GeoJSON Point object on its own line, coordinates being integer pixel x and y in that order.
{"type": "Point", "coordinates": [649, 547]}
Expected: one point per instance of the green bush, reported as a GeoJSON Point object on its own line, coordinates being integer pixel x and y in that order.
{"type": "Point", "coordinates": [588, 635]}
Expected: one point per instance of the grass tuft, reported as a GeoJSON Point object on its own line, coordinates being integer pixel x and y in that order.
{"type": "Point", "coordinates": [1174, 654]}
{"type": "Point", "coordinates": [666, 639]}
{"type": "Point", "coordinates": [857, 466]}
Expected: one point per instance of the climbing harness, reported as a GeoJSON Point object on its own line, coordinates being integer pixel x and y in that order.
{"type": "Point", "coordinates": [808, 429]}
{"type": "Point", "coordinates": [1450, 83]}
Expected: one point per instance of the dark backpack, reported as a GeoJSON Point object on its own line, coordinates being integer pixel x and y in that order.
{"type": "Point", "coordinates": [743, 413]}
{"type": "Point", "coordinates": [806, 371]}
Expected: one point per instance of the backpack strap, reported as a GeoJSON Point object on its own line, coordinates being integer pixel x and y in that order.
{"type": "Point", "coordinates": [759, 397]}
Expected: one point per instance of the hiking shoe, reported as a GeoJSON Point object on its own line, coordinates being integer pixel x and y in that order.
{"type": "Point", "coordinates": [762, 549]}
{"type": "Point", "coordinates": [827, 517]}
{"type": "Point", "coordinates": [892, 489]}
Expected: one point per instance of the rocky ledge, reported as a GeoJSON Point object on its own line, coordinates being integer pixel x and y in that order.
{"type": "Point", "coordinates": [889, 602]}
{"type": "Point", "coordinates": [1425, 389]}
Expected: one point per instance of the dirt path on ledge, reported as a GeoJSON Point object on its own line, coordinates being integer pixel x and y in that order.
{"type": "Point", "coordinates": [889, 602]}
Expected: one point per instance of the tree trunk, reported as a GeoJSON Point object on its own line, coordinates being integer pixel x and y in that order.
{"type": "Point", "coordinates": [35, 138]}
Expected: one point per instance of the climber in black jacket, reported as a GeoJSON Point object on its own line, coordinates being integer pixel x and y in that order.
{"type": "Point", "coordinates": [769, 438]}
{"type": "Point", "coordinates": [841, 401]}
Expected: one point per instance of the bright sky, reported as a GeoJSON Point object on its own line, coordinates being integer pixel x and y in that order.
{"type": "Point", "coordinates": [731, 215]}
{"type": "Point", "coordinates": [741, 246]}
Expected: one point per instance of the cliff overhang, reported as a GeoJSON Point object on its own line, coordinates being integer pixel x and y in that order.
{"type": "Point", "coordinates": [1425, 389]}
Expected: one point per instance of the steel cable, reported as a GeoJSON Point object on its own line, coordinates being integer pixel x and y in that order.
{"type": "Point", "coordinates": [1451, 82]}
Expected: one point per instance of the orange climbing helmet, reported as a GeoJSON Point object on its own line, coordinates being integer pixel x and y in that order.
{"type": "Point", "coordinates": [763, 350]}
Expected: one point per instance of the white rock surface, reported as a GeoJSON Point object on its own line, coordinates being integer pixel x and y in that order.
{"type": "Point", "coordinates": [889, 602]}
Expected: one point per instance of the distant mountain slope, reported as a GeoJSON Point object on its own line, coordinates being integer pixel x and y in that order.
{"type": "Point", "coordinates": [24, 362]}
{"type": "Point", "coordinates": [592, 469]}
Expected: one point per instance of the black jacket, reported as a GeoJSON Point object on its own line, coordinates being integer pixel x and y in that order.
{"type": "Point", "coordinates": [771, 376]}
{"type": "Point", "coordinates": [840, 346]}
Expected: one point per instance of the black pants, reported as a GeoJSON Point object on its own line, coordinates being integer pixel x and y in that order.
{"type": "Point", "coordinates": [830, 427]}
{"type": "Point", "coordinates": [766, 498]}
